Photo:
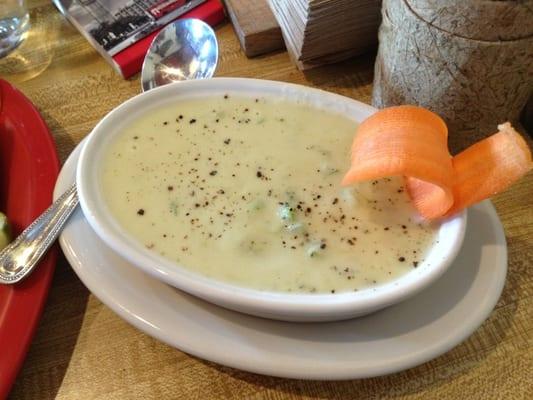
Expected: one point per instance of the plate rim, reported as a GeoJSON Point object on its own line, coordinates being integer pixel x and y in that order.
{"type": "Point", "coordinates": [29, 296]}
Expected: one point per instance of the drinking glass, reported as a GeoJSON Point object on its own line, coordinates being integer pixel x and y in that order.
{"type": "Point", "coordinates": [14, 22]}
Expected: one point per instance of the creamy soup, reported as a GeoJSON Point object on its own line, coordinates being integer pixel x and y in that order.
{"type": "Point", "coordinates": [248, 191]}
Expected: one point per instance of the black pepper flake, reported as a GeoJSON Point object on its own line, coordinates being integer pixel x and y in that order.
{"type": "Point", "coordinates": [136, 137]}
{"type": "Point", "coordinates": [180, 117]}
{"type": "Point", "coordinates": [227, 141]}
{"type": "Point", "coordinates": [192, 121]}
{"type": "Point", "coordinates": [140, 211]}
{"type": "Point", "coordinates": [226, 96]}
{"type": "Point", "coordinates": [165, 123]}
{"type": "Point", "coordinates": [170, 188]}
{"type": "Point", "coordinates": [335, 201]}
{"type": "Point", "coordinates": [415, 264]}
{"type": "Point", "coordinates": [323, 246]}
{"type": "Point", "coordinates": [259, 174]}
{"type": "Point", "coordinates": [386, 228]}
{"type": "Point", "coordinates": [401, 259]}
{"type": "Point", "coordinates": [213, 173]}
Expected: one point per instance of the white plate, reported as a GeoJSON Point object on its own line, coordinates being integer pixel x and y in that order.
{"type": "Point", "coordinates": [397, 338]}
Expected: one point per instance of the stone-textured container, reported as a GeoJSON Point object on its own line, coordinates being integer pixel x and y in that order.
{"type": "Point", "coordinates": [471, 61]}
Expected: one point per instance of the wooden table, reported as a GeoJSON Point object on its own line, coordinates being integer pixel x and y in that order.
{"type": "Point", "coordinates": [82, 350]}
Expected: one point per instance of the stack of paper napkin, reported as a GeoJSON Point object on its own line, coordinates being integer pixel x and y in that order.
{"type": "Point", "coordinates": [318, 32]}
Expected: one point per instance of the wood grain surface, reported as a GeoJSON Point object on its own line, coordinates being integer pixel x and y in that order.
{"type": "Point", "coordinates": [82, 350]}
{"type": "Point", "coordinates": [255, 26]}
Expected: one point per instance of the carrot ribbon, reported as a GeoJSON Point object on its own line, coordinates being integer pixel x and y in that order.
{"type": "Point", "coordinates": [413, 142]}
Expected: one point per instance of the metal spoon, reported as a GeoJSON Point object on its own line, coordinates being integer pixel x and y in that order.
{"type": "Point", "coordinates": [186, 49]}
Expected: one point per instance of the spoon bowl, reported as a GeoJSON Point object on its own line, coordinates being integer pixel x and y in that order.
{"type": "Point", "coordinates": [186, 49]}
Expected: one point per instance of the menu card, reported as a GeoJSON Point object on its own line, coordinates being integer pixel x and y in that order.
{"type": "Point", "coordinates": [122, 30]}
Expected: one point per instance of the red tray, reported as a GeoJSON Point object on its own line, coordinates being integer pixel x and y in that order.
{"type": "Point", "coordinates": [28, 171]}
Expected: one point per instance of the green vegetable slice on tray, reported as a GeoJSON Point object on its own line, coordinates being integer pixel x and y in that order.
{"type": "Point", "coordinates": [5, 231]}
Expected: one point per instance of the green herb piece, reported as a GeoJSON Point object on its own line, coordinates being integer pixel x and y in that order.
{"type": "Point", "coordinates": [296, 227]}
{"type": "Point", "coordinates": [256, 205]}
{"type": "Point", "coordinates": [173, 207]}
{"type": "Point", "coordinates": [315, 249]}
{"type": "Point", "coordinates": [286, 212]}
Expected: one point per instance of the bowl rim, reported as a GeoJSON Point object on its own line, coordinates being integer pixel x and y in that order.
{"type": "Point", "coordinates": [219, 292]}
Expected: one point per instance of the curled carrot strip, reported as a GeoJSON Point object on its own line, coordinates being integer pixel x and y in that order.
{"type": "Point", "coordinates": [409, 141]}
{"type": "Point", "coordinates": [412, 141]}
{"type": "Point", "coordinates": [489, 167]}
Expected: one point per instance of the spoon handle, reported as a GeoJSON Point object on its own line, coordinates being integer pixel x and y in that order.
{"type": "Point", "coordinates": [19, 258]}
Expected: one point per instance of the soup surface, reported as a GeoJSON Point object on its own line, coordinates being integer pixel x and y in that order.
{"type": "Point", "coordinates": [248, 191]}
